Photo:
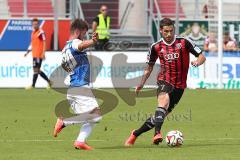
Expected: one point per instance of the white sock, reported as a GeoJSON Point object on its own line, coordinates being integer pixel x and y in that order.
{"type": "Point", "coordinates": [85, 131]}
{"type": "Point", "coordinates": [71, 122]}
{"type": "Point", "coordinates": [82, 118]}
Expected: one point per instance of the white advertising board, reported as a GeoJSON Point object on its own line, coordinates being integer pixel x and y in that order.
{"type": "Point", "coordinates": [16, 70]}
{"type": "Point", "coordinates": [115, 67]}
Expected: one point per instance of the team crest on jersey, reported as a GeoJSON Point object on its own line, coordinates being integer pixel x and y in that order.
{"type": "Point", "coordinates": [179, 45]}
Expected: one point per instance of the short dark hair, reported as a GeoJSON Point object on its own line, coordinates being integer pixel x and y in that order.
{"type": "Point", "coordinates": [78, 24]}
{"type": "Point", "coordinates": [166, 22]}
{"type": "Point", "coordinates": [35, 20]}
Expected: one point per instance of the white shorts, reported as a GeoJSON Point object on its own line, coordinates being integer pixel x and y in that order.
{"type": "Point", "coordinates": [81, 99]}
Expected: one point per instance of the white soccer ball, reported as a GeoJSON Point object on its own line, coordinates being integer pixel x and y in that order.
{"type": "Point", "coordinates": [174, 138]}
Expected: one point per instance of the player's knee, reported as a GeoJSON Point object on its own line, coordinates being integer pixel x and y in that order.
{"type": "Point", "coordinates": [163, 101]}
{"type": "Point", "coordinates": [163, 105]}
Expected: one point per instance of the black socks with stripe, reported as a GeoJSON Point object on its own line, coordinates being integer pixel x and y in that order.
{"type": "Point", "coordinates": [153, 121]}
{"type": "Point", "coordinates": [148, 125]}
{"type": "Point", "coordinates": [160, 115]}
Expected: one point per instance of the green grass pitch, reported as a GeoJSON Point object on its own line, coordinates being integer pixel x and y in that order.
{"type": "Point", "coordinates": [208, 119]}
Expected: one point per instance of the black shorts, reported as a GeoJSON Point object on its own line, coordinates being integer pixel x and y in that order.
{"type": "Point", "coordinates": [175, 94]}
{"type": "Point", "coordinates": [37, 62]}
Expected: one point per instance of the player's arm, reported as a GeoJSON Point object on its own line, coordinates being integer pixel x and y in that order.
{"type": "Point", "coordinates": [28, 50]}
{"type": "Point", "coordinates": [88, 43]}
{"type": "Point", "coordinates": [197, 52]}
{"type": "Point", "coordinates": [152, 57]}
{"type": "Point", "coordinates": [43, 38]}
{"type": "Point", "coordinates": [199, 61]}
{"type": "Point", "coordinates": [44, 48]}
{"type": "Point", "coordinates": [146, 74]}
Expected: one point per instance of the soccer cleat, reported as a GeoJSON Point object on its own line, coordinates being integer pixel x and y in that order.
{"type": "Point", "coordinates": [82, 145]}
{"type": "Point", "coordinates": [58, 127]}
{"type": "Point", "coordinates": [29, 88]}
{"type": "Point", "coordinates": [157, 138]}
{"type": "Point", "coordinates": [131, 140]}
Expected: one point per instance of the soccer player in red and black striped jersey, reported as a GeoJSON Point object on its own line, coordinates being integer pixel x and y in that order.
{"type": "Point", "coordinates": [173, 53]}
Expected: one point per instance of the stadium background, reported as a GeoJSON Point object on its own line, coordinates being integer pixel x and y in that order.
{"type": "Point", "coordinates": [209, 119]}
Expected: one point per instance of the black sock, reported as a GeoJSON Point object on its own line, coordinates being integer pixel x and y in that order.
{"type": "Point", "coordinates": [43, 75]}
{"type": "Point", "coordinates": [159, 119]}
{"type": "Point", "coordinates": [148, 125]}
{"type": "Point", "coordinates": [35, 76]}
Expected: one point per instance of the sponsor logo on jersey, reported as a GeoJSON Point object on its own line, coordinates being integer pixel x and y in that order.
{"type": "Point", "coordinates": [171, 56]}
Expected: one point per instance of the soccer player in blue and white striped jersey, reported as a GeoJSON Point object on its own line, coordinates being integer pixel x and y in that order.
{"type": "Point", "coordinates": [80, 96]}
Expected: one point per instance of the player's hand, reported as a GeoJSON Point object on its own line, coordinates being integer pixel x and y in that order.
{"type": "Point", "coordinates": [25, 55]}
{"type": "Point", "coordinates": [195, 63]}
{"type": "Point", "coordinates": [138, 89]}
{"type": "Point", "coordinates": [95, 37]}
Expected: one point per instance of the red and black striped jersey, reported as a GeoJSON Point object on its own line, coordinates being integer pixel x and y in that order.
{"type": "Point", "coordinates": [174, 59]}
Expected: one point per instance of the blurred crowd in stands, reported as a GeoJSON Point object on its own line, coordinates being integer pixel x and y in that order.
{"type": "Point", "coordinates": [208, 41]}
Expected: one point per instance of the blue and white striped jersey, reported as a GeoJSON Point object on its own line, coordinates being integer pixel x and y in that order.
{"type": "Point", "coordinates": [77, 63]}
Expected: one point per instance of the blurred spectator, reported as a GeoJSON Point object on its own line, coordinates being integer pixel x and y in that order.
{"type": "Point", "coordinates": [210, 44]}
{"type": "Point", "coordinates": [197, 35]}
{"type": "Point", "coordinates": [209, 9]}
{"type": "Point", "coordinates": [101, 25]}
{"type": "Point", "coordinates": [229, 44]}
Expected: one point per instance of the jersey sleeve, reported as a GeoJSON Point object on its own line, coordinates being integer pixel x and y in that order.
{"type": "Point", "coordinates": [192, 47]}
{"type": "Point", "coordinates": [75, 44]}
{"type": "Point", "coordinates": [152, 55]}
